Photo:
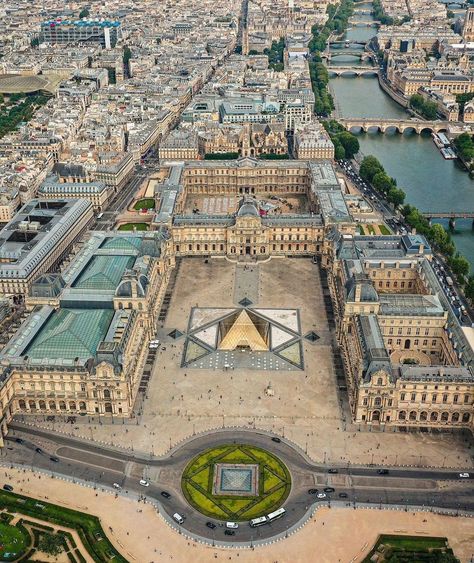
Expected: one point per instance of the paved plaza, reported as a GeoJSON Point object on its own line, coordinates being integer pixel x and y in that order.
{"type": "Point", "coordinates": [303, 405]}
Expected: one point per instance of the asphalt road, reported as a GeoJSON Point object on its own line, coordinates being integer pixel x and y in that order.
{"type": "Point", "coordinates": [102, 466]}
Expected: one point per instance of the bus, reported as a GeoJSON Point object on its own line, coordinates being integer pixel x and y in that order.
{"type": "Point", "coordinates": [275, 515]}
{"type": "Point", "coordinates": [258, 521]}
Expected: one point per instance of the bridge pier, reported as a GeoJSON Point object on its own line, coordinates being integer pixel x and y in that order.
{"type": "Point", "coordinates": [430, 221]}
{"type": "Point", "coordinates": [452, 223]}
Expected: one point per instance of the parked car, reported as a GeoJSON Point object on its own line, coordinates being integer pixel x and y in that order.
{"type": "Point", "coordinates": [329, 489]}
{"type": "Point", "coordinates": [19, 440]}
{"type": "Point", "coordinates": [7, 487]}
{"type": "Point", "coordinates": [232, 525]}
{"type": "Point", "coordinates": [144, 483]}
{"type": "Point", "coordinates": [343, 495]}
{"type": "Point", "coordinates": [229, 532]}
{"type": "Point", "coordinates": [275, 439]}
{"type": "Point", "coordinates": [312, 491]}
{"type": "Point", "coordinates": [321, 495]}
{"type": "Point", "coordinates": [210, 525]}
{"type": "Point", "coordinates": [38, 450]}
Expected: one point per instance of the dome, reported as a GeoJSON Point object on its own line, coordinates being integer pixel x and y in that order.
{"type": "Point", "coordinates": [248, 207]}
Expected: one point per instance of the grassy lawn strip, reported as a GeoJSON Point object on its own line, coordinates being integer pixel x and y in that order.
{"type": "Point", "coordinates": [133, 227]}
{"type": "Point", "coordinates": [87, 526]}
{"type": "Point", "coordinates": [146, 203]}
{"type": "Point", "coordinates": [14, 540]}
{"type": "Point", "coordinates": [384, 230]}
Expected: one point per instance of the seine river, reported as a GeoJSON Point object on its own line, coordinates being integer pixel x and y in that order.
{"type": "Point", "coordinates": [430, 182]}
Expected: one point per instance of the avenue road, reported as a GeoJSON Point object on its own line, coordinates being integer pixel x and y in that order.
{"type": "Point", "coordinates": [101, 466]}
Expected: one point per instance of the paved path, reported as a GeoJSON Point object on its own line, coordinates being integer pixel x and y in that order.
{"type": "Point", "coordinates": [103, 466]}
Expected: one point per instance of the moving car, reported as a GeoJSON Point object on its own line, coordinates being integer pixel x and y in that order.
{"type": "Point", "coordinates": [19, 440]}
{"type": "Point", "coordinates": [343, 495]}
{"type": "Point", "coordinates": [229, 532]}
{"type": "Point", "coordinates": [178, 518]}
{"type": "Point", "coordinates": [232, 525]}
{"type": "Point", "coordinates": [144, 483]}
{"type": "Point", "coordinates": [53, 458]}
{"type": "Point", "coordinates": [332, 470]}
{"type": "Point", "coordinates": [464, 475]}
{"type": "Point", "coordinates": [382, 471]}
{"type": "Point", "coordinates": [210, 525]}
{"type": "Point", "coordinates": [116, 486]}
{"type": "Point", "coordinates": [275, 439]}
{"type": "Point", "coordinates": [165, 494]}
{"type": "Point", "coordinates": [38, 450]}
{"type": "Point", "coordinates": [321, 495]}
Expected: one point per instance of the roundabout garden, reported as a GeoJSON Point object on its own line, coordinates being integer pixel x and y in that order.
{"type": "Point", "coordinates": [236, 482]}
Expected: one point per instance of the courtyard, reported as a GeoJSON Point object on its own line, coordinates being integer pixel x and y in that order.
{"type": "Point", "coordinates": [302, 404]}
{"type": "Point", "coordinates": [228, 204]}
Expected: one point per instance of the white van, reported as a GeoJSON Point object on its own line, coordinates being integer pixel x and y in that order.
{"type": "Point", "coordinates": [178, 518]}
{"type": "Point", "coordinates": [232, 525]}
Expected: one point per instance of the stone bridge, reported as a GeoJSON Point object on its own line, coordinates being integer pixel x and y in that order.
{"type": "Point", "coordinates": [359, 53]}
{"type": "Point", "coordinates": [451, 215]}
{"type": "Point", "coordinates": [353, 70]}
{"type": "Point", "coordinates": [400, 125]}
{"type": "Point", "coordinates": [351, 42]}
{"type": "Point", "coordinates": [367, 23]}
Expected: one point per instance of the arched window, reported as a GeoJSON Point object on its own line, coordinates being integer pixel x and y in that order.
{"type": "Point", "coordinates": [42, 405]}
{"type": "Point", "coordinates": [72, 406]}
{"type": "Point", "coordinates": [32, 405]}
{"type": "Point", "coordinates": [444, 417]}
{"type": "Point", "coordinates": [62, 405]}
{"type": "Point", "coordinates": [106, 393]}
{"type": "Point", "coordinates": [378, 401]}
{"type": "Point", "coordinates": [434, 417]}
{"type": "Point", "coordinates": [108, 407]}
{"type": "Point", "coordinates": [82, 406]}
{"type": "Point", "coordinates": [52, 405]}
{"type": "Point", "coordinates": [424, 415]}
{"type": "Point", "coordinates": [379, 381]}
{"type": "Point", "coordinates": [412, 415]}
{"type": "Point", "coordinates": [466, 417]}
{"type": "Point", "coordinates": [402, 415]}
{"type": "Point", "coordinates": [376, 415]}
{"type": "Point", "coordinates": [22, 404]}
{"type": "Point", "coordinates": [455, 417]}
{"type": "Point", "coordinates": [262, 250]}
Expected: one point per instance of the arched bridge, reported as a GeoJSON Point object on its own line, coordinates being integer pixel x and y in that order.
{"type": "Point", "coordinates": [351, 42]}
{"type": "Point", "coordinates": [339, 70]}
{"type": "Point", "coordinates": [451, 215]}
{"type": "Point", "coordinates": [367, 23]}
{"type": "Point", "coordinates": [400, 125]}
{"type": "Point", "coordinates": [359, 53]}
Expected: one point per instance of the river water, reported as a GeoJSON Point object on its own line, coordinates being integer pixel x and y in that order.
{"type": "Point", "coordinates": [430, 182]}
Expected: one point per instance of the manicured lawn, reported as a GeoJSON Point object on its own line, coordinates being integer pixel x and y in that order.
{"type": "Point", "coordinates": [133, 227]}
{"type": "Point", "coordinates": [274, 483]}
{"type": "Point", "coordinates": [361, 230]}
{"type": "Point", "coordinates": [384, 230]}
{"type": "Point", "coordinates": [412, 548]}
{"type": "Point", "coordinates": [87, 526]}
{"type": "Point", "coordinates": [14, 541]}
{"type": "Point", "coordinates": [146, 203]}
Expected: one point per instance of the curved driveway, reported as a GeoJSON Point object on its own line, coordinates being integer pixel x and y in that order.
{"type": "Point", "coordinates": [103, 466]}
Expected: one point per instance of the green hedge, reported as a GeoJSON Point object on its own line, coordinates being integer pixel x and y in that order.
{"type": "Point", "coordinates": [86, 525]}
